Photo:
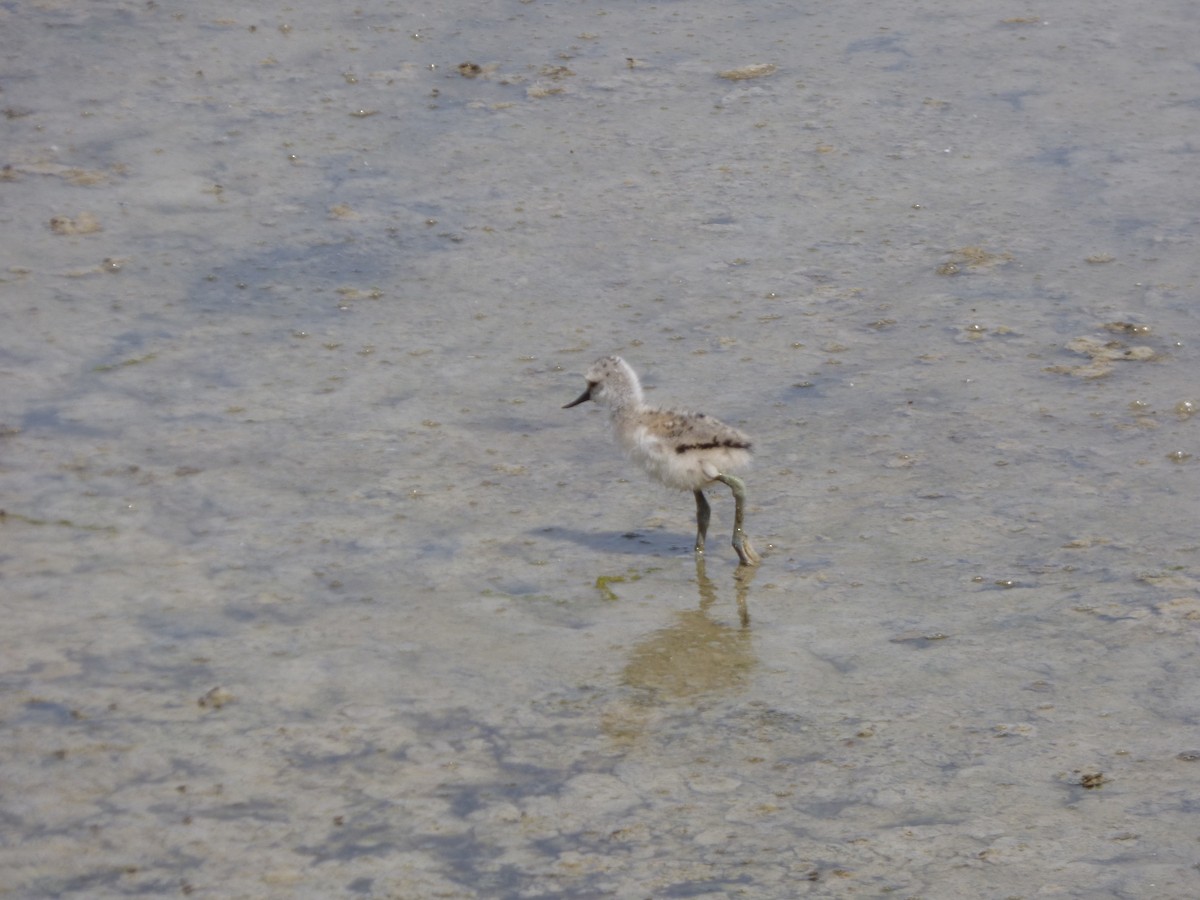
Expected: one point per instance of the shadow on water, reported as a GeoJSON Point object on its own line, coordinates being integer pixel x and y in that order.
{"type": "Point", "coordinates": [700, 652]}
{"type": "Point", "coordinates": [656, 543]}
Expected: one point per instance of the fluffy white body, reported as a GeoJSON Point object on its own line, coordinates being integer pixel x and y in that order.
{"type": "Point", "coordinates": [683, 450]}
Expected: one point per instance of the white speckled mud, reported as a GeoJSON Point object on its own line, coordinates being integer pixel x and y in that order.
{"type": "Point", "coordinates": [303, 594]}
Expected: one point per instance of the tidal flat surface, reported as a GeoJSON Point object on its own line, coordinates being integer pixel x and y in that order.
{"type": "Point", "coordinates": [312, 589]}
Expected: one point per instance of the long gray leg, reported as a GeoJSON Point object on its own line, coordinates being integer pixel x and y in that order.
{"type": "Point", "coordinates": [741, 543]}
{"type": "Point", "coordinates": [703, 513]}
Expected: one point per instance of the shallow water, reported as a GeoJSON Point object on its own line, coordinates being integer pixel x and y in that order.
{"type": "Point", "coordinates": [312, 589]}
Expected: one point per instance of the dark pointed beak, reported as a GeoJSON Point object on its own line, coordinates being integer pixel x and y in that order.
{"type": "Point", "coordinates": [586, 395]}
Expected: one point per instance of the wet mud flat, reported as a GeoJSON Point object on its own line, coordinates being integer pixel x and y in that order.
{"type": "Point", "coordinates": [311, 588]}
